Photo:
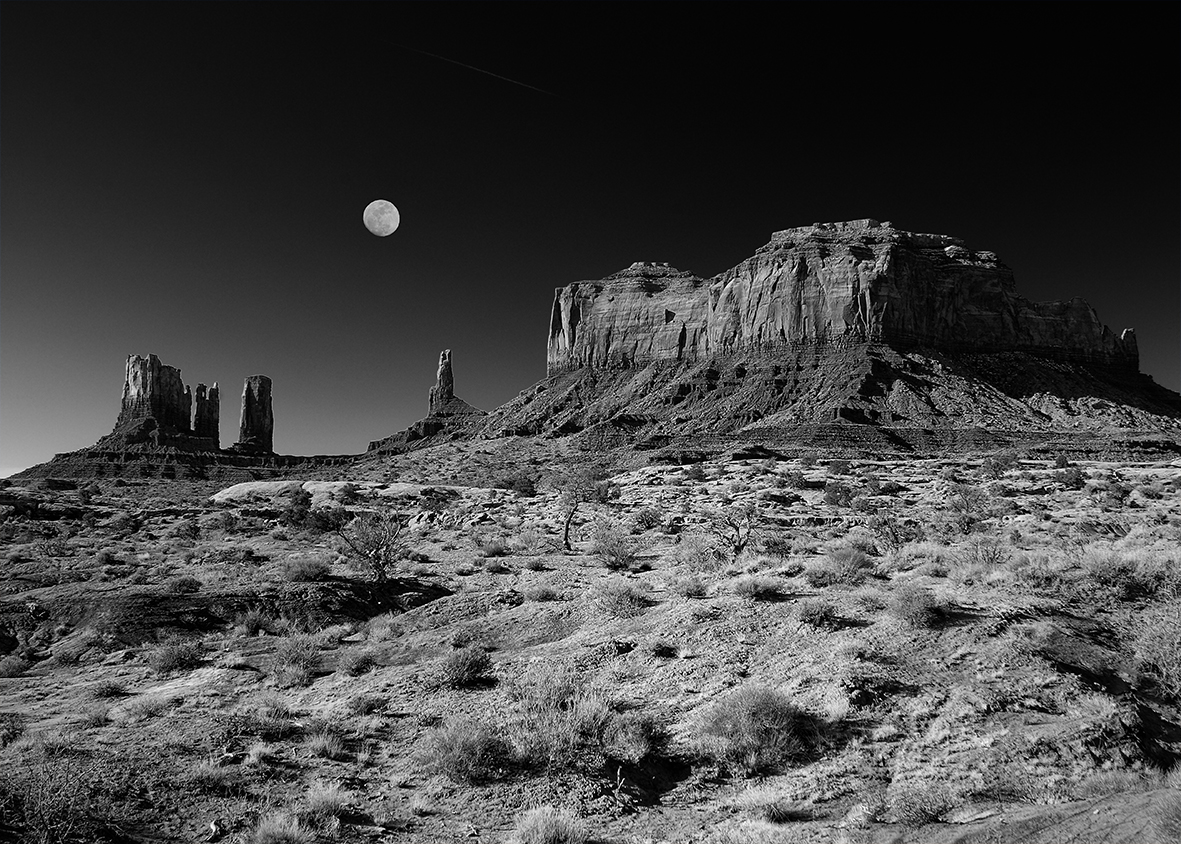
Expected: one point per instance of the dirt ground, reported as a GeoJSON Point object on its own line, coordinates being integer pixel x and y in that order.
{"type": "Point", "coordinates": [797, 650]}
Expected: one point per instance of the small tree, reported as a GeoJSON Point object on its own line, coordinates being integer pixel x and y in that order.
{"type": "Point", "coordinates": [577, 486]}
{"type": "Point", "coordinates": [373, 542]}
{"type": "Point", "coordinates": [733, 526]}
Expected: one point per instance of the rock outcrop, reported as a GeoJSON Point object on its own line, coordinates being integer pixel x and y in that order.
{"type": "Point", "coordinates": [446, 412]}
{"type": "Point", "coordinates": [824, 284]}
{"type": "Point", "coordinates": [256, 429]}
{"type": "Point", "coordinates": [152, 390]}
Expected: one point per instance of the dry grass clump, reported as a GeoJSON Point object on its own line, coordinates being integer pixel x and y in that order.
{"type": "Point", "coordinates": [175, 654]}
{"type": "Point", "coordinates": [692, 586]}
{"type": "Point", "coordinates": [465, 668]}
{"type": "Point", "coordinates": [104, 689]}
{"type": "Point", "coordinates": [211, 778]}
{"type": "Point", "coordinates": [306, 570]}
{"type": "Point", "coordinates": [296, 657]}
{"type": "Point", "coordinates": [1158, 646]}
{"type": "Point", "coordinates": [183, 585]}
{"type": "Point", "coordinates": [621, 599]}
{"type": "Point", "coordinates": [14, 665]}
{"type": "Point", "coordinates": [469, 750]}
{"type": "Point", "coordinates": [282, 828]}
{"type": "Point", "coordinates": [325, 744]}
{"type": "Point", "coordinates": [915, 606]}
{"type": "Point", "coordinates": [845, 566]}
{"type": "Point", "coordinates": [755, 730]}
{"type": "Point", "coordinates": [1167, 817]}
{"type": "Point", "coordinates": [1106, 783]}
{"type": "Point", "coordinates": [759, 587]}
{"type": "Point", "coordinates": [356, 663]}
{"type": "Point", "coordinates": [818, 612]}
{"type": "Point", "coordinates": [920, 804]}
{"type": "Point", "coordinates": [550, 825]}
{"type": "Point", "coordinates": [542, 592]}
{"type": "Point", "coordinates": [324, 802]}
{"type": "Point", "coordinates": [12, 727]}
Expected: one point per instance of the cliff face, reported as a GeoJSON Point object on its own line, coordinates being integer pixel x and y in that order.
{"type": "Point", "coordinates": [825, 284]}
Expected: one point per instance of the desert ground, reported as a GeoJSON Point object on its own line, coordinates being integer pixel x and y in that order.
{"type": "Point", "coordinates": [787, 649]}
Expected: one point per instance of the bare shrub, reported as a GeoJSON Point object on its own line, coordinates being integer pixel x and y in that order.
{"type": "Point", "coordinates": [756, 729]}
{"type": "Point", "coordinates": [184, 585]}
{"type": "Point", "coordinates": [837, 494]}
{"type": "Point", "coordinates": [648, 518]}
{"type": "Point", "coordinates": [542, 592]}
{"type": "Point", "coordinates": [373, 543]}
{"type": "Point", "coordinates": [59, 798]}
{"type": "Point", "coordinates": [690, 587]}
{"type": "Point", "coordinates": [550, 825]}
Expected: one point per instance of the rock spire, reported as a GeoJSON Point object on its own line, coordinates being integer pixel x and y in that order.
{"type": "Point", "coordinates": [207, 415]}
{"type": "Point", "coordinates": [257, 425]}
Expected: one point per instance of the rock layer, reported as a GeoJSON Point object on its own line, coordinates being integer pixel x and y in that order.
{"type": "Point", "coordinates": [824, 284]}
{"type": "Point", "coordinates": [256, 427]}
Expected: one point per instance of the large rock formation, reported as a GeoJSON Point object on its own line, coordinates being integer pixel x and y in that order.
{"type": "Point", "coordinates": [824, 284]}
{"type": "Point", "coordinates": [911, 334]}
{"type": "Point", "coordinates": [207, 415]}
{"type": "Point", "coordinates": [152, 390]}
{"type": "Point", "coordinates": [256, 429]}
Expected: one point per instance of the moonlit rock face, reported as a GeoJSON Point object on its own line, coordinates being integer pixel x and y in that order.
{"type": "Point", "coordinates": [381, 217]}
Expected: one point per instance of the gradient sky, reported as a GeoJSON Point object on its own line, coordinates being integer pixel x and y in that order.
{"type": "Point", "coordinates": [188, 180]}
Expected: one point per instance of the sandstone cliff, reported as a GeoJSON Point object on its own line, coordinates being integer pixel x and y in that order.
{"type": "Point", "coordinates": [819, 285]}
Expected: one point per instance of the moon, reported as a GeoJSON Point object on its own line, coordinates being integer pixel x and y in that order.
{"type": "Point", "coordinates": [381, 217]}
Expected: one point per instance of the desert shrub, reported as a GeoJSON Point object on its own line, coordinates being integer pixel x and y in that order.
{"type": "Point", "coordinates": [693, 472]}
{"type": "Point", "coordinates": [647, 518]}
{"type": "Point", "coordinates": [255, 621]}
{"type": "Point", "coordinates": [621, 599]}
{"type": "Point", "coordinates": [1158, 646]}
{"type": "Point", "coordinates": [612, 545]}
{"type": "Point", "coordinates": [758, 587]}
{"type": "Point", "coordinates": [147, 708]}
{"type": "Point", "coordinates": [495, 566]}
{"type": "Point", "coordinates": [467, 667]}
{"type": "Point", "coordinates": [356, 663]}
{"type": "Point", "coordinates": [775, 545]}
{"type": "Point", "coordinates": [689, 587]}
{"type": "Point", "coordinates": [838, 467]}
{"type": "Point", "coordinates": [995, 465]}
{"type": "Point", "coordinates": [373, 543]}
{"type": "Point", "coordinates": [470, 751]}
{"type": "Point", "coordinates": [795, 480]}
{"type": "Point", "coordinates": [915, 606]}
{"type": "Point", "coordinates": [531, 542]}
{"type": "Point", "coordinates": [1071, 478]}
{"type": "Point", "coordinates": [1061, 461]}
{"type": "Point", "coordinates": [296, 657]}
{"type": "Point", "coordinates": [733, 527]}
{"type": "Point", "coordinates": [1106, 783]}
{"type": "Point", "coordinates": [985, 554]}
{"type": "Point", "coordinates": [893, 532]}
{"type": "Point", "coordinates": [105, 689]}
{"type": "Point", "coordinates": [282, 828]}
{"type": "Point", "coordinates": [917, 805]}
{"type": "Point", "coordinates": [186, 529]}
{"type": "Point", "coordinates": [175, 654]}
{"type": "Point", "coordinates": [817, 612]}
{"type": "Point", "coordinates": [295, 512]}
{"type": "Point", "coordinates": [700, 552]}
{"type": "Point", "coordinates": [365, 704]}
{"type": "Point", "coordinates": [520, 483]}
{"type": "Point", "coordinates": [183, 585]}
{"type": "Point", "coordinates": [847, 566]}
{"type": "Point", "coordinates": [12, 727]}
{"type": "Point", "coordinates": [324, 743]}
{"type": "Point", "coordinates": [808, 459]}
{"type": "Point", "coordinates": [14, 665]}
{"type": "Point", "coordinates": [756, 729]}
{"type": "Point", "coordinates": [492, 546]}
{"type": "Point", "coordinates": [306, 570]}
{"type": "Point", "coordinates": [107, 557]}
{"type": "Point", "coordinates": [542, 592]}
{"type": "Point", "coordinates": [550, 825]}
{"type": "Point", "coordinates": [837, 494]}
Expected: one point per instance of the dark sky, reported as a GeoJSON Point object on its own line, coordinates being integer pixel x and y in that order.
{"type": "Point", "coordinates": [188, 180]}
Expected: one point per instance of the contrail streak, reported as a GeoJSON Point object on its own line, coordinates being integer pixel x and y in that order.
{"type": "Point", "coordinates": [478, 70]}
